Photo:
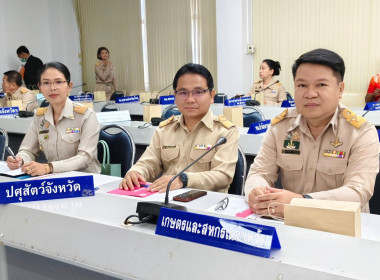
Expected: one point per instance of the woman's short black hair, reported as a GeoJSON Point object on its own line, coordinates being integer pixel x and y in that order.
{"type": "Point", "coordinates": [322, 57]}
{"type": "Point", "coordinates": [273, 65]}
{"type": "Point", "coordinates": [100, 50]}
{"type": "Point", "coordinates": [193, 68]}
{"type": "Point", "coordinates": [56, 65]}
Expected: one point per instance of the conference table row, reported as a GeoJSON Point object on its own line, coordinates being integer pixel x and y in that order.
{"type": "Point", "coordinates": [83, 238]}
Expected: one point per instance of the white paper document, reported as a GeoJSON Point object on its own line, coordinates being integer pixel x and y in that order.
{"type": "Point", "coordinates": [4, 170]}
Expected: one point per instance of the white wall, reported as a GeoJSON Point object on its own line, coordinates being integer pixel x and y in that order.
{"type": "Point", "coordinates": [234, 32]}
{"type": "Point", "coordinates": [48, 28]}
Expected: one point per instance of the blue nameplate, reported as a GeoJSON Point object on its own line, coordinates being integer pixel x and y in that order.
{"type": "Point", "coordinates": [45, 189]}
{"type": "Point", "coordinates": [287, 103]}
{"type": "Point", "coordinates": [168, 99]}
{"type": "Point", "coordinates": [2, 94]}
{"type": "Point", "coordinates": [9, 111]}
{"type": "Point", "coordinates": [82, 98]}
{"type": "Point", "coordinates": [223, 233]}
{"type": "Point", "coordinates": [258, 127]}
{"type": "Point", "coordinates": [237, 101]}
{"type": "Point", "coordinates": [128, 99]}
{"type": "Point", "coordinates": [372, 104]}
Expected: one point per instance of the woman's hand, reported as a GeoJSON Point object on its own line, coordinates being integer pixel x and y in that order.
{"type": "Point", "coordinates": [34, 168]}
{"type": "Point", "coordinates": [14, 163]}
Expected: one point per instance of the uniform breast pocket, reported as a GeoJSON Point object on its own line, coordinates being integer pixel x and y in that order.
{"type": "Point", "coordinates": [43, 142]}
{"type": "Point", "coordinates": [169, 156]}
{"type": "Point", "coordinates": [291, 166]}
{"type": "Point", "coordinates": [204, 163]}
{"type": "Point", "coordinates": [70, 143]}
{"type": "Point", "coordinates": [330, 172]}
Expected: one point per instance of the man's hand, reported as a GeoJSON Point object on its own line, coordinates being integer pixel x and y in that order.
{"type": "Point", "coordinates": [131, 179]}
{"type": "Point", "coordinates": [376, 92]}
{"type": "Point", "coordinates": [161, 183]}
{"type": "Point", "coordinates": [34, 168]}
{"type": "Point", "coordinates": [252, 197]}
{"type": "Point", "coordinates": [14, 163]}
{"type": "Point", "coordinates": [278, 197]}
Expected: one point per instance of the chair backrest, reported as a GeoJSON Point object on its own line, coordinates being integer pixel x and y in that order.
{"type": "Point", "coordinates": [289, 97]}
{"type": "Point", "coordinates": [106, 108]}
{"type": "Point", "coordinates": [374, 202]}
{"type": "Point", "coordinates": [170, 111]}
{"type": "Point", "coordinates": [3, 143]}
{"type": "Point", "coordinates": [44, 103]}
{"type": "Point", "coordinates": [220, 97]}
{"type": "Point", "coordinates": [237, 185]}
{"type": "Point", "coordinates": [116, 95]}
{"type": "Point", "coordinates": [251, 115]}
{"type": "Point", "coordinates": [89, 94]}
{"type": "Point", "coordinates": [121, 145]}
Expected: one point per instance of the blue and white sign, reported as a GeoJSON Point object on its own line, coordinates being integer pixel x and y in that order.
{"type": "Point", "coordinates": [2, 94]}
{"type": "Point", "coordinates": [258, 127]}
{"type": "Point", "coordinates": [82, 98]}
{"type": "Point", "coordinates": [236, 101]}
{"type": "Point", "coordinates": [128, 99]}
{"type": "Point", "coordinates": [9, 111]}
{"type": "Point", "coordinates": [374, 106]}
{"type": "Point", "coordinates": [223, 233]}
{"type": "Point", "coordinates": [167, 99]}
{"type": "Point", "coordinates": [288, 103]}
{"type": "Point", "coordinates": [33, 190]}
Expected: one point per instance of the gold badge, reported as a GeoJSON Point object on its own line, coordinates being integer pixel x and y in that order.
{"type": "Point", "coordinates": [46, 137]}
{"type": "Point", "coordinates": [336, 143]}
{"type": "Point", "coordinates": [295, 136]}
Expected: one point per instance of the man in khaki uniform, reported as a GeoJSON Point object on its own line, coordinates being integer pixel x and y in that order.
{"type": "Point", "coordinates": [272, 95]}
{"type": "Point", "coordinates": [71, 145]}
{"type": "Point", "coordinates": [180, 140]}
{"type": "Point", "coordinates": [13, 90]}
{"type": "Point", "coordinates": [321, 149]}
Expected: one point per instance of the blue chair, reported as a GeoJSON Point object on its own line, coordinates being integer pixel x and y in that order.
{"type": "Point", "coordinates": [121, 145]}
{"type": "Point", "coordinates": [251, 115]}
{"type": "Point", "coordinates": [106, 107]}
{"type": "Point", "coordinates": [3, 143]}
{"type": "Point", "coordinates": [170, 111]}
{"type": "Point", "coordinates": [116, 95]}
{"type": "Point", "coordinates": [289, 97]}
{"type": "Point", "coordinates": [44, 103]}
{"type": "Point", "coordinates": [237, 185]}
{"type": "Point", "coordinates": [220, 97]}
{"type": "Point", "coordinates": [374, 202]}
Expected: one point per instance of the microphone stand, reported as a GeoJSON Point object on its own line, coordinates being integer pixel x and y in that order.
{"type": "Point", "coordinates": [257, 103]}
{"type": "Point", "coordinates": [373, 106]}
{"type": "Point", "coordinates": [152, 208]}
{"type": "Point", "coordinates": [156, 100]}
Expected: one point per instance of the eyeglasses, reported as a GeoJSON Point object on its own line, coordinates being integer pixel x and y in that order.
{"type": "Point", "coordinates": [221, 205]}
{"type": "Point", "coordinates": [57, 84]}
{"type": "Point", "coordinates": [197, 93]}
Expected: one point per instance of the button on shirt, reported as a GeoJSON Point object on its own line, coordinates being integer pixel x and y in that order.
{"type": "Point", "coordinates": [341, 164]}
{"type": "Point", "coordinates": [173, 147]}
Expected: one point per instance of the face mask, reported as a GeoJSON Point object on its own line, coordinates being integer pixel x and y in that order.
{"type": "Point", "coordinates": [23, 60]}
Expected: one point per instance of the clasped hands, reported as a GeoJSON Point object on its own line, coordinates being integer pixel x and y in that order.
{"type": "Point", "coordinates": [133, 178]}
{"type": "Point", "coordinates": [261, 197]}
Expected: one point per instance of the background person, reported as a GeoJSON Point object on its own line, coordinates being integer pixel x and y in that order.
{"type": "Point", "coordinates": [31, 67]}
{"type": "Point", "coordinates": [373, 92]}
{"type": "Point", "coordinates": [105, 74]}
{"type": "Point", "coordinates": [67, 133]}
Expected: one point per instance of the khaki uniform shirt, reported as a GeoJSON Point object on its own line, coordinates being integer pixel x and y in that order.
{"type": "Point", "coordinates": [341, 164]}
{"type": "Point", "coordinates": [71, 145]}
{"type": "Point", "coordinates": [173, 147]}
{"type": "Point", "coordinates": [105, 77]}
{"type": "Point", "coordinates": [28, 99]}
{"type": "Point", "coordinates": [273, 95]}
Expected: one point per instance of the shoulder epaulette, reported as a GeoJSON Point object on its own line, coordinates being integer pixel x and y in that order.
{"type": "Point", "coordinates": [165, 122]}
{"type": "Point", "coordinates": [222, 119]}
{"type": "Point", "coordinates": [80, 109]}
{"type": "Point", "coordinates": [279, 84]}
{"type": "Point", "coordinates": [24, 90]}
{"type": "Point", "coordinates": [353, 118]}
{"type": "Point", "coordinates": [279, 118]}
{"type": "Point", "coordinates": [98, 63]}
{"type": "Point", "coordinates": [41, 111]}
{"type": "Point", "coordinates": [258, 82]}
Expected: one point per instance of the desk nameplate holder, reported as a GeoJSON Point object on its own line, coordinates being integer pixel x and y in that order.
{"type": "Point", "coordinates": [288, 104]}
{"type": "Point", "coordinates": [223, 233]}
{"type": "Point", "coordinates": [258, 127]}
{"type": "Point", "coordinates": [46, 189]}
{"type": "Point", "coordinates": [167, 99]}
{"type": "Point", "coordinates": [369, 105]}
{"type": "Point", "coordinates": [237, 101]}
{"type": "Point", "coordinates": [81, 98]}
{"type": "Point", "coordinates": [9, 112]}
{"type": "Point", "coordinates": [128, 99]}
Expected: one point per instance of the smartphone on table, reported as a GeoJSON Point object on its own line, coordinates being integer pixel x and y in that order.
{"type": "Point", "coordinates": [189, 196]}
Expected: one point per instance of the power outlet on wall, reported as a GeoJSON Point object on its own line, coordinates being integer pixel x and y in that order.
{"type": "Point", "coordinates": [250, 48]}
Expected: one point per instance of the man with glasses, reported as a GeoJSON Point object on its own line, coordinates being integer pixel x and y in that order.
{"type": "Point", "coordinates": [321, 149]}
{"type": "Point", "coordinates": [13, 90]}
{"type": "Point", "coordinates": [181, 139]}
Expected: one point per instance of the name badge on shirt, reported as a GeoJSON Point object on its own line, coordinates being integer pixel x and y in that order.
{"type": "Point", "coordinates": [292, 144]}
{"type": "Point", "coordinates": [202, 147]}
{"type": "Point", "coordinates": [169, 147]}
{"type": "Point", "coordinates": [334, 154]}
{"type": "Point", "coordinates": [43, 131]}
{"type": "Point", "coordinates": [72, 130]}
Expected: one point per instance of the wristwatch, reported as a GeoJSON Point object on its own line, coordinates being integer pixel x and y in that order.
{"type": "Point", "coordinates": [307, 196]}
{"type": "Point", "coordinates": [184, 179]}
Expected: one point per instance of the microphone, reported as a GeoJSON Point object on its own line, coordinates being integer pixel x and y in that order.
{"type": "Point", "coordinates": [373, 106]}
{"type": "Point", "coordinates": [156, 100]}
{"type": "Point", "coordinates": [80, 85]}
{"type": "Point", "coordinates": [254, 102]}
{"type": "Point", "coordinates": [152, 208]}
{"type": "Point", "coordinates": [25, 113]}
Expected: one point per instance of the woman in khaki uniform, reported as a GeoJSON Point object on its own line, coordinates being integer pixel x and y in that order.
{"type": "Point", "coordinates": [67, 133]}
{"type": "Point", "coordinates": [105, 74]}
{"type": "Point", "coordinates": [267, 90]}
